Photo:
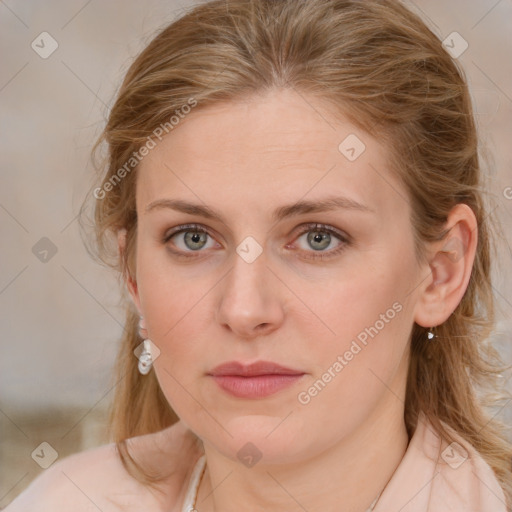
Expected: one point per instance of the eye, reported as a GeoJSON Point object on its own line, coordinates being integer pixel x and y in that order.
{"type": "Point", "coordinates": [320, 237]}
{"type": "Point", "coordinates": [193, 238]}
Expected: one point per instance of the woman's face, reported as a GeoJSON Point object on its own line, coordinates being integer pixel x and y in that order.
{"type": "Point", "coordinates": [335, 303]}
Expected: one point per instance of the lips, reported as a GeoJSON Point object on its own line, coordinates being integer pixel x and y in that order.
{"type": "Point", "coordinates": [257, 380]}
{"type": "Point", "coordinates": [235, 368]}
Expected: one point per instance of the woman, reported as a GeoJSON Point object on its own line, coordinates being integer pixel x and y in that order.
{"type": "Point", "coordinates": [294, 188]}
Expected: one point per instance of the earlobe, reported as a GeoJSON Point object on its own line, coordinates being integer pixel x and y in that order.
{"type": "Point", "coordinates": [450, 266]}
{"type": "Point", "coordinates": [131, 283]}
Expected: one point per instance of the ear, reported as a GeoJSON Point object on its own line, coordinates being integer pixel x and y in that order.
{"type": "Point", "coordinates": [131, 283]}
{"type": "Point", "coordinates": [450, 263]}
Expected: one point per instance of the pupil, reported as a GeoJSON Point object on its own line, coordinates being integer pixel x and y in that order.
{"type": "Point", "coordinates": [318, 238]}
{"type": "Point", "coordinates": [193, 238]}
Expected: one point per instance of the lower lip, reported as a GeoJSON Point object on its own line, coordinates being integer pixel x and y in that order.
{"type": "Point", "coordinates": [255, 387]}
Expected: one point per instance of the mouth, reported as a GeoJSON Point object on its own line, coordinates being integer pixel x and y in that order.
{"type": "Point", "coordinates": [256, 380]}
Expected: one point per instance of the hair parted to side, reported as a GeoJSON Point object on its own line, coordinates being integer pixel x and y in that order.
{"type": "Point", "coordinates": [378, 64]}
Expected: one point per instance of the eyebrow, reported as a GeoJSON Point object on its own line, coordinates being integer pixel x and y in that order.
{"type": "Point", "coordinates": [280, 213]}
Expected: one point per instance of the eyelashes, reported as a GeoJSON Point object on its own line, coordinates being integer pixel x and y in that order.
{"type": "Point", "coordinates": [187, 229]}
{"type": "Point", "coordinates": [317, 229]}
{"type": "Point", "coordinates": [198, 234]}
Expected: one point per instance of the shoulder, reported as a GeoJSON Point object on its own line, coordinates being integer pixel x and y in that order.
{"type": "Point", "coordinates": [441, 472]}
{"type": "Point", "coordinates": [464, 477]}
{"type": "Point", "coordinates": [97, 480]}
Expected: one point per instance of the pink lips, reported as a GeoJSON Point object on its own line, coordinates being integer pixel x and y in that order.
{"type": "Point", "coordinates": [256, 380]}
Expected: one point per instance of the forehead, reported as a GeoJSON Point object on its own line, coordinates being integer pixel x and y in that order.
{"type": "Point", "coordinates": [264, 149]}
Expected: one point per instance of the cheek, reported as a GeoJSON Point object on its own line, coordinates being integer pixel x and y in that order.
{"type": "Point", "coordinates": [369, 314]}
{"type": "Point", "coordinates": [358, 366]}
{"type": "Point", "coordinates": [175, 313]}
{"type": "Point", "coordinates": [362, 301]}
{"type": "Point", "coordinates": [370, 296]}
{"type": "Point", "coordinates": [174, 308]}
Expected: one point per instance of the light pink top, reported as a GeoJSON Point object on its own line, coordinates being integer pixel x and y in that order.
{"type": "Point", "coordinates": [441, 477]}
{"type": "Point", "coordinates": [433, 476]}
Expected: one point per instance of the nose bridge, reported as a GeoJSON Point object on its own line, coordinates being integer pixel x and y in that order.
{"type": "Point", "coordinates": [250, 264]}
{"type": "Point", "coordinates": [248, 300]}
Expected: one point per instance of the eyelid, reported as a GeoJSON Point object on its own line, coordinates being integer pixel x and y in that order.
{"type": "Point", "coordinates": [344, 238]}
{"type": "Point", "coordinates": [310, 226]}
{"type": "Point", "coordinates": [182, 228]}
{"type": "Point", "coordinates": [303, 228]}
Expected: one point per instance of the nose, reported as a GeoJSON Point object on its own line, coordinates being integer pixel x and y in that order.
{"type": "Point", "coordinates": [249, 299]}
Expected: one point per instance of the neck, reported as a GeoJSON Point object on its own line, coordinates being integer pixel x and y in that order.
{"type": "Point", "coordinates": [351, 473]}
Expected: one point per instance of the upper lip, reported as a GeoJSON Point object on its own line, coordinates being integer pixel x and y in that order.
{"type": "Point", "coordinates": [250, 370]}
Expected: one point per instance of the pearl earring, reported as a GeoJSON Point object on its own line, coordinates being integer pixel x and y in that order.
{"type": "Point", "coordinates": [145, 357]}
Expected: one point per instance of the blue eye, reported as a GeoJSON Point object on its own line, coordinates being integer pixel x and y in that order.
{"type": "Point", "coordinates": [319, 237]}
{"type": "Point", "coordinates": [195, 238]}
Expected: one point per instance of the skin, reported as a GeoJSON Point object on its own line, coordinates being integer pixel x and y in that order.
{"type": "Point", "coordinates": [244, 159]}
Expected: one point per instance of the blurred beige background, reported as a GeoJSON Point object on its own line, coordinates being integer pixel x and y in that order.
{"type": "Point", "coordinates": [60, 315]}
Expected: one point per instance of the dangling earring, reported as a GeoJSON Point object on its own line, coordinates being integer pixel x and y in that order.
{"type": "Point", "coordinates": [145, 357]}
{"type": "Point", "coordinates": [430, 334]}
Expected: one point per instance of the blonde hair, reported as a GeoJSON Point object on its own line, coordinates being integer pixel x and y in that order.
{"type": "Point", "coordinates": [376, 63]}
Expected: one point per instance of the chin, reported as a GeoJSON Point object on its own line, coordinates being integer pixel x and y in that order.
{"type": "Point", "coordinates": [261, 439]}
